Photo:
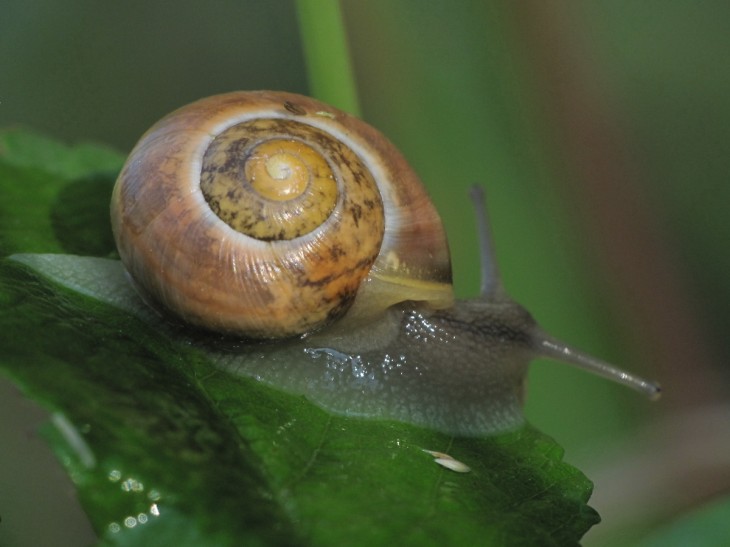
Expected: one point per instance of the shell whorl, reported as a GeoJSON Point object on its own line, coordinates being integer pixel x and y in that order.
{"type": "Point", "coordinates": [268, 214]}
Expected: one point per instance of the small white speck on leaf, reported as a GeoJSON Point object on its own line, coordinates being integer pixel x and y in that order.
{"type": "Point", "coordinates": [447, 461]}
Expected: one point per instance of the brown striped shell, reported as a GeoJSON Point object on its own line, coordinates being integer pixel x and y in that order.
{"type": "Point", "coordinates": [269, 214]}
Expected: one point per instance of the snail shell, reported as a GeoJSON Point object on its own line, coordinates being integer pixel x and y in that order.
{"type": "Point", "coordinates": [269, 214]}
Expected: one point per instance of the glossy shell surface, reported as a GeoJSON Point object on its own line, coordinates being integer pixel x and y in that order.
{"type": "Point", "coordinates": [269, 214]}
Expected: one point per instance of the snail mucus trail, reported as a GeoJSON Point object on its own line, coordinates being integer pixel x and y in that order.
{"type": "Point", "coordinates": [272, 216]}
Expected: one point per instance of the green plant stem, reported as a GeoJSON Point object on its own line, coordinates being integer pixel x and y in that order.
{"type": "Point", "coordinates": [327, 55]}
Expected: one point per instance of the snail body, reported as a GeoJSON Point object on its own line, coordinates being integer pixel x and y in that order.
{"type": "Point", "coordinates": [272, 216]}
{"type": "Point", "coordinates": [415, 364]}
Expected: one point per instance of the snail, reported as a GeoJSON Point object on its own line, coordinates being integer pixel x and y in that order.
{"type": "Point", "coordinates": [301, 233]}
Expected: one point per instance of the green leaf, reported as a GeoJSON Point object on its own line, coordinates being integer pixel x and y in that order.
{"type": "Point", "coordinates": [55, 198]}
{"type": "Point", "coordinates": [166, 448]}
{"type": "Point", "coordinates": [32, 151]}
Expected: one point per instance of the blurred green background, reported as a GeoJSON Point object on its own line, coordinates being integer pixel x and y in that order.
{"type": "Point", "coordinates": [601, 131]}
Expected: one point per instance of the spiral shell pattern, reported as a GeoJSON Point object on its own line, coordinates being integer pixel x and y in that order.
{"type": "Point", "coordinates": [265, 214]}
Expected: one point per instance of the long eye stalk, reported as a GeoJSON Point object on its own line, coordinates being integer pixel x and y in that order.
{"type": "Point", "coordinates": [555, 349]}
{"type": "Point", "coordinates": [544, 344]}
{"type": "Point", "coordinates": [491, 282]}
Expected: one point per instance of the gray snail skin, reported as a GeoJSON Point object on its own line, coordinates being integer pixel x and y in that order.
{"type": "Point", "coordinates": [301, 233]}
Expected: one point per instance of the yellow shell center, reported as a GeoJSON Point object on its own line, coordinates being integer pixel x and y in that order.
{"type": "Point", "coordinates": [264, 179]}
{"type": "Point", "coordinates": [277, 170]}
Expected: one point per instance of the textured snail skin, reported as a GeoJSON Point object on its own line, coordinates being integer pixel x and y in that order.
{"type": "Point", "coordinates": [185, 260]}
{"type": "Point", "coordinates": [460, 371]}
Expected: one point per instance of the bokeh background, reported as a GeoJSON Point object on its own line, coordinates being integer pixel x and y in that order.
{"type": "Point", "coordinates": [601, 131]}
